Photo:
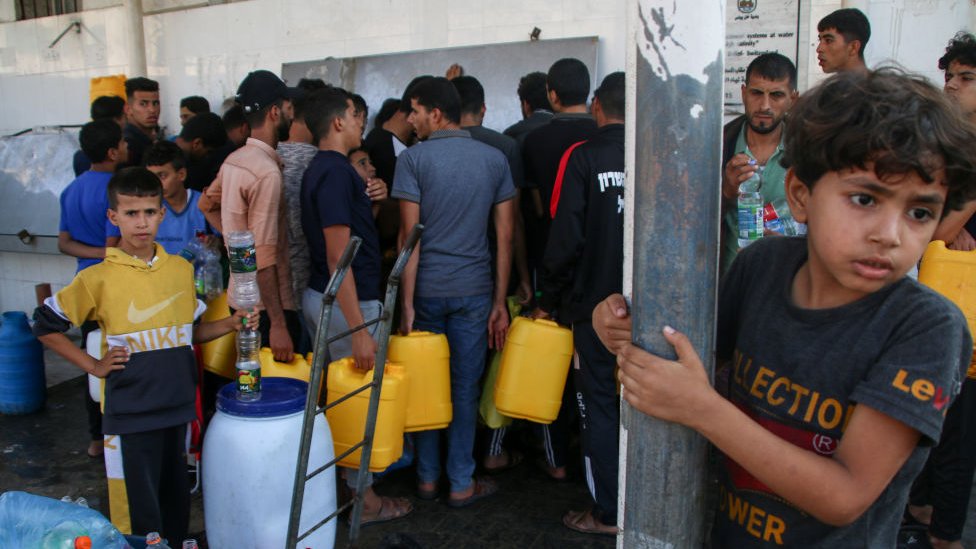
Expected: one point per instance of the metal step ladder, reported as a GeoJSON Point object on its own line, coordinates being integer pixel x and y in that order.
{"type": "Point", "coordinates": [312, 409]}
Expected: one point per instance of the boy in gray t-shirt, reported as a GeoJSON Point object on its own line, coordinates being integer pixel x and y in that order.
{"type": "Point", "coordinates": [841, 368]}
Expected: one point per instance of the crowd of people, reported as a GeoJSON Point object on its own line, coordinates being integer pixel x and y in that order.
{"type": "Point", "coordinates": [822, 338]}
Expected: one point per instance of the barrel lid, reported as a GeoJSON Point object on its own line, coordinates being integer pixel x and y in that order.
{"type": "Point", "coordinates": [280, 396]}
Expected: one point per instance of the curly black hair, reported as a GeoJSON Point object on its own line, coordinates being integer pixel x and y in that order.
{"type": "Point", "coordinates": [896, 121]}
{"type": "Point", "coordinates": [961, 48]}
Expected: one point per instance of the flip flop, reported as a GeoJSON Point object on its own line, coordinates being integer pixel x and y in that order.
{"type": "Point", "coordinates": [515, 459]}
{"type": "Point", "coordinates": [585, 523]}
{"type": "Point", "coordinates": [483, 487]}
{"type": "Point", "coordinates": [390, 509]}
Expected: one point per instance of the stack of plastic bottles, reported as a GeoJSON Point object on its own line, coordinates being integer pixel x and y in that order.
{"type": "Point", "coordinates": [244, 270]}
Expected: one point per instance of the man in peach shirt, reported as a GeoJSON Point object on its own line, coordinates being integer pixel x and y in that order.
{"type": "Point", "coordinates": [247, 195]}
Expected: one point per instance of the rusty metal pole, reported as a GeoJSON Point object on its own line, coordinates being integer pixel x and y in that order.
{"type": "Point", "coordinates": [675, 74]}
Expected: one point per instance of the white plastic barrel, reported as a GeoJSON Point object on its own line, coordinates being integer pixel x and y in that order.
{"type": "Point", "coordinates": [249, 456]}
{"type": "Point", "coordinates": [93, 346]}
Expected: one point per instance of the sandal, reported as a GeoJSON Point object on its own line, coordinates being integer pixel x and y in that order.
{"type": "Point", "coordinates": [483, 488]}
{"type": "Point", "coordinates": [390, 509]}
{"type": "Point", "coordinates": [515, 459]}
{"type": "Point", "coordinates": [585, 523]}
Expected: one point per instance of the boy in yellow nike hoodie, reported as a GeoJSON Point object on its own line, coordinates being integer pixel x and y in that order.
{"type": "Point", "coordinates": [144, 301]}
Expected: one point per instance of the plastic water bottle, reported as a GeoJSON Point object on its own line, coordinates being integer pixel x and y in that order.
{"type": "Point", "coordinates": [208, 275]}
{"type": "Point", "coordinates": [191, 252]}
{"type": "Point", "coordinates": [248, 365]}
{"type": "Point", "coordinates": [190, 544]}
{"type": "Point", "coordinates": [750, 210]}
{"type": "Point", "coordinates": [777, 218]}
{"type": "Point", "coordinates": [154, 540]}
{"type": "Point", "coordinates": [67, 535]}
{"type": "Point", "coordinates": [244, 269]}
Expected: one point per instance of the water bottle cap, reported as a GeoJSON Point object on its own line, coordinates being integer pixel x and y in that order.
{"type": "Point", "coordinates": [83, 542]}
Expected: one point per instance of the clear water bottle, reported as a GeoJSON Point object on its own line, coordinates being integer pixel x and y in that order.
{"type": "Point", "coordinates": [191, 252]}
{"type": "Point", "coordinates": [248, 365]}
{"type": "Point", "coordinates": [154, 540]}
{"type": "Point", "coordinates": [777, 218]}
{"type": "Point", "coordinates": [190, 544]}
{"type": "Point", "coordinates": [750, 210]}
{"type": "Point", "coordinates": [243, 269]}
{"type": "Point", "coordinates": [208, 275]}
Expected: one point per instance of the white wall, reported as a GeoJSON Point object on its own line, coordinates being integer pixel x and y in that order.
{"type": "Point", "coordinates": [208, 50]}
{"type": "Point", "coordinates": [40, 85]}
{"type": "Point", "coordinates": [19, 272]}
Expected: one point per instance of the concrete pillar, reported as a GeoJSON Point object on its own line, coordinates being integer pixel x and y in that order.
{"type": "Point", "coordinates": [136, 45]}
{"type": "Point", "coordinates": [674, 120]}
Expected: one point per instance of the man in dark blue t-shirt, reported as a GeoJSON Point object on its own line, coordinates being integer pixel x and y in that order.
{"type": "Point", "coordinates": [335, 207]}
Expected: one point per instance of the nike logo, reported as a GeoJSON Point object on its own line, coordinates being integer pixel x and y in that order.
{"type": "Point", "coordinates": [138, 316]}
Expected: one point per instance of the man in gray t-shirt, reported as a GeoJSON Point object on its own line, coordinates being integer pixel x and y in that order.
{"type": "Point", "coordinates": [451, 183]}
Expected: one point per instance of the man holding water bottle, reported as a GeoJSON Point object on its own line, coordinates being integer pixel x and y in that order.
{"type": "Point", "coordinates": [754, 141]}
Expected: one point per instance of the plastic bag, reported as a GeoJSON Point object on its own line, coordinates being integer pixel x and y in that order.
{"type": "Point", "coordinates": [36, 522]}
{"type": "Point", "coordinates": [489, 414]}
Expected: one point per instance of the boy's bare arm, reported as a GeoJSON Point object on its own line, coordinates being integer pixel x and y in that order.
{"type": "Point", "coordinates": [409, 216]}
{"type": "Point", "coordinates": [114, 359]}
{"type": "Point", "coordinates": [72, 247]}
{"type": "Point", "coordinates": [503, 215]}
{"type": "Point", "coordinates": [364, 347]}
{"type": "Point", "coordinates": [281, 344]}
{"type": "Point", "coordinates": [836, 490]}
{"type": "Point", "coordinates": [953, 223]}
{"type": "Point", "coordinates": [208, 331]}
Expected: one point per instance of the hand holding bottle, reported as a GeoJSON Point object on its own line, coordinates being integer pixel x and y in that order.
{"type": "Point", "coordinates": [739, 168]}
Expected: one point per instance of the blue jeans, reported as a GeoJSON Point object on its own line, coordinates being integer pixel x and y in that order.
{"type": "Point", "coordinates": [465, 322]}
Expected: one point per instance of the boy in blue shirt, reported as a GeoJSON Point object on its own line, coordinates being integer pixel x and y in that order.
{"type": "Point", "coordinates": [85, 231]}
{"type": "Point", "coordinates": [145, 304]}
{"type": "Point", "coordinates": [842, 368]}
{"type": "Point", "coordinates": [182, 217]}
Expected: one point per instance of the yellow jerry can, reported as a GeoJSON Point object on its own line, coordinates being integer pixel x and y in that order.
{"type": "Point", "coordinates": [348, 420]}
{"type": "Point", "coordinates": [219, 354]}
{"type": "Point", "coordinates": [535, 363]}
{"type": "Point", "coordinates": [427, 360]}
{"type": "Point", "coordinates": [106, 85]}
{"type": "Point", "coordinates": [952, 273]}
{"type": "Point", "coordinates": [298, 368]}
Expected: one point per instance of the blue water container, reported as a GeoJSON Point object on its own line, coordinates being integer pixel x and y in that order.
{"type": "Point", "coordinates": [22, 384]}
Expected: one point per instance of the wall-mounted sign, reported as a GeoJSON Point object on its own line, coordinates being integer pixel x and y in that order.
{"type": "Point", "coordinates": [754, 27]}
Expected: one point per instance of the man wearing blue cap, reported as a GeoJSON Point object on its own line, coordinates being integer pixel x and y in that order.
{"type": "Point", "coordinates": [247, 196]}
